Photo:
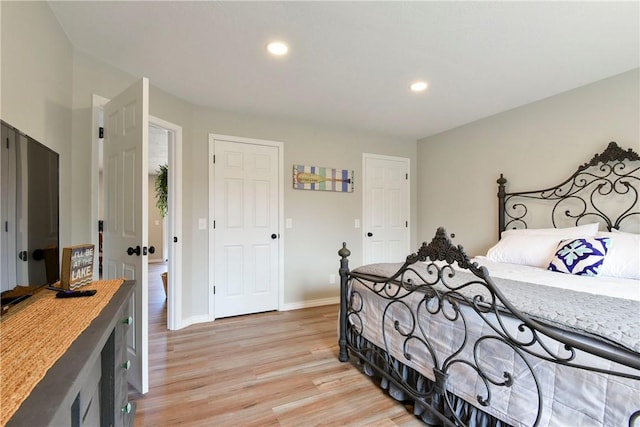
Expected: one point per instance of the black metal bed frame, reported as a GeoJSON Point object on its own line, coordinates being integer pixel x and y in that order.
{"type": "Point", "coordinates": [583, 195]}
{"type": "Point", "coordinates": [614, 171]}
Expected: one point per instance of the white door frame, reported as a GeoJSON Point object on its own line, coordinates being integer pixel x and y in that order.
{"type": "Point", "coordinates": [406, 160]}
{"type": "Point", "coordinates": [280, 145]}
{"type": "Point", "coordinates": [174, 290]}
{"type": "Point", "coordinates": [174, 226]}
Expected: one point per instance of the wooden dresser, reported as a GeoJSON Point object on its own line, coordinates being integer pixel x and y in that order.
{"type": "Point", "coordinates": [88, 383]}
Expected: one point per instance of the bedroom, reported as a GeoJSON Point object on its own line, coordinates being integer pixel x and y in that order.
{"type": "Point", "coordinates": [49, 95]}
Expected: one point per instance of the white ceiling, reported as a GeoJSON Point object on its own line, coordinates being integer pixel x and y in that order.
{"type": "Point", "coordinates": [350, 63]}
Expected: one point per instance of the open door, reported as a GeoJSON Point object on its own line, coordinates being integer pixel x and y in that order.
{"type": "Point", "coordinates": [126, 210]}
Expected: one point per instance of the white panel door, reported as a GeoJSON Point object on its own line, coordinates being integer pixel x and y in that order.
{"type": "Point", "coordinates": [126, 212]}
{"type": "Point", "coordinates": [386, 208]}
{"type": "Point", "coordinates": [246, 234]}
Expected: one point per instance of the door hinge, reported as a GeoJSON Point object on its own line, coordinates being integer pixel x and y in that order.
{"type": "Point", "coordinates": [406, 224]}
{"type": "Point", "coordinates": [7, 143]}
{"type": "Point", "coordinates": [214, 159]}
{"type": "Point", "coordinates": [6, 226]}
{"type": "Point", "coordinates": [406, 176]}
{"type": "Point", "coordinates": [214, 289]}
{"type": "Point", "coordinates": [100, 132]}
{"type": "Point", "coordinates": [214, 224]}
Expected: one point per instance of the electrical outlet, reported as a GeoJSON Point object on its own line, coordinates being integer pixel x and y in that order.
{"type": "Point", "coordinates": [356, 223]}
{"type": "Point", "coordinates": [332, 279]}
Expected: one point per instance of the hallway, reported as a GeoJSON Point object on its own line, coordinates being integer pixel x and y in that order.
{"type": "Point", "coordinates": [157, 299]}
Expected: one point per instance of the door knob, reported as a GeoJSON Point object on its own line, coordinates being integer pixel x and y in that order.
{"type": "Point", "coordinates": [274, 236]}
{"type": "Point", "coordinates": [152, 250]}
{"type": "Point", "coordinates": [369, 234]}
{"type": "Point", "coordinates": [131, 251]}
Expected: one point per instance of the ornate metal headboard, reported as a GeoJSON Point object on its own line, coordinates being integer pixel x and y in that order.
{"type": "Point", "coordinates": [604, 190]}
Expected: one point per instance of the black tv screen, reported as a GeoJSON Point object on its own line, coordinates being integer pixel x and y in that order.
{"type": "Point", "coordinates": [29, 207]}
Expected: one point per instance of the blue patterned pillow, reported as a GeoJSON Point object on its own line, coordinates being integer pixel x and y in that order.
{"type": "Point", "coordinates": [582, 257]}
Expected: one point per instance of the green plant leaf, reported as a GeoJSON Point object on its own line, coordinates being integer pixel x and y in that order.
{"type": "Point", "coordinates": [161, 189]}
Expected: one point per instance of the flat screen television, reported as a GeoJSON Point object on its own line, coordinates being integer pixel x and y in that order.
{"type": "Point", "coordinates": [29, 210]}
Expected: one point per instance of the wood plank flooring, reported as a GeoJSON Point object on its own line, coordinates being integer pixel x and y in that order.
{"type": "Point", "coordinates": [268, 369]}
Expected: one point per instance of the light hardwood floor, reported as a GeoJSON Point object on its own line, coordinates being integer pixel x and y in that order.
{"type": "Point", "coordinates": [268, 369]}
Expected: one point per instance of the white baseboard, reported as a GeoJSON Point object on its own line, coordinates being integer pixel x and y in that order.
{"type": "Point", "coordinates": [309, 304]}
{"type": "Point", "coordinates": [287, 307]}
{"type": "Point", "coordinates": [203, 318]}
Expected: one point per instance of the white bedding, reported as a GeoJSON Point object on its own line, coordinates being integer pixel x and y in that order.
{"type": "Point", "coordinates": [571, 396]}
{"type": "Point", "coordinates": [599, 285]}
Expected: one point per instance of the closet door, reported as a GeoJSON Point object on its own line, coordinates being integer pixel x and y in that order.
{"type": "Point", "coordinates": [246, 235]}
{"type": "Point", "coordinates": [386, 208]}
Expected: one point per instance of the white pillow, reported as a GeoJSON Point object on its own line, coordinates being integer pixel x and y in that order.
{"type": "Point", "coordinates": [535, 246]}
{"type": "Point", "coordinates": [623, 258]}
{"type": "Point", "coordinates": [532, 250]}
{"type": "Point", "coordinates": [586, 230]}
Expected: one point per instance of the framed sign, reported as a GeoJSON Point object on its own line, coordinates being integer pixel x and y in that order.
{"type": "Point", "coordinates": [77, 266]}
{"type": "Point", "coordinates": [320, 178]}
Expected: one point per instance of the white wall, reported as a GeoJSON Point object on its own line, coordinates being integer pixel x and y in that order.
{"type": "Point", "coordinates": [311, 246]}
{"type": "Point", "coordinates": [321, 220]}
{"type": "Point", "coordinates": [535, 146]}
{"type": "Point", "coordinates": [51, 100]}
{"type": "Point", "coordinates": [36, 87]}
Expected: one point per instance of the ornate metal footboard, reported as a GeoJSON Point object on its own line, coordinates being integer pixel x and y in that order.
{"type": "Point", "coordinates": [439, 292]}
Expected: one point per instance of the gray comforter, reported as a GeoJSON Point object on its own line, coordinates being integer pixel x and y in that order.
{"type": "Point", "coordinates": [613, 319]}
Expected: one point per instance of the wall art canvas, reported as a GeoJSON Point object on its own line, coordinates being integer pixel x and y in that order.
{"type": "Point", "coordinates": [320, 178]}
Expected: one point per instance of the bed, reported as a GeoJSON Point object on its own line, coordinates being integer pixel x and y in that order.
{"type": "Point", "coordinates": [543, 330]}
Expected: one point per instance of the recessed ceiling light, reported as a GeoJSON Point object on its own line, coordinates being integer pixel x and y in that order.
{"type": "Point", "coordinates": [418, 86]}
{"type": "Point", "coordinates": [278, 48]}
